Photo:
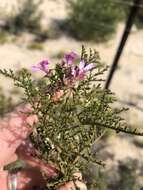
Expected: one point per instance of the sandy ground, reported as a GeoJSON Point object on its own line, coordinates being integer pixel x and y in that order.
{"type": "Point", "coordinates": [127, 82]}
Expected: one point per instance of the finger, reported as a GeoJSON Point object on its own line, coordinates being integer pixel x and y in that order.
{"type": "Point", "coordinates": [72, 186]}
{"type": "Point", "coordinates": [24, 152]}
{"type": "Point", "coordinates": [3, 180]}
{"type": "Point", "coordinates": [77, 175]}
{"type": "Point", "coordinates": [4, 174]}
{"type": "Point", "coordinates": [13, 130]}
{"type": "Point", "coordinates": [30, 178]}
{"type": "Point", "coordinates": [28, 153]}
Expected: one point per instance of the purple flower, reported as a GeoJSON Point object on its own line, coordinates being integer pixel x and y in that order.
{"type": "Point", "coordinates": [81, 70]}
{"type": "Point", "coordinates": [85, 68]}
{"type": "Point", "coordinates": [70, 57]}
{"type": "Point", "coordinates": [42, 66]}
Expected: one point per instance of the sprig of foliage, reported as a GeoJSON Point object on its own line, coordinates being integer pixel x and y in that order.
{"type": "Point", "coordinates": [73, 111]}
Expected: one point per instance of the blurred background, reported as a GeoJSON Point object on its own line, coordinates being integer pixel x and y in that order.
{"type": "Point", "coordinates": [32, 30]}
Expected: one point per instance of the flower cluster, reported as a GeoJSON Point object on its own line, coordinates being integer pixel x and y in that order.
{"type": "Point", "coordinates": [73, 68]}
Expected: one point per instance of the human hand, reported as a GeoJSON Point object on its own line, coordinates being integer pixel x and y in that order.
{"type": "Point", "coordinates": [14, 131]}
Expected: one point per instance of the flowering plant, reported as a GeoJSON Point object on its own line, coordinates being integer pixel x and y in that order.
{"type": "Point", "coordinates": [73, 111]}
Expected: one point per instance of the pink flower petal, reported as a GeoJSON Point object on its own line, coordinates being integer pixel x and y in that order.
{"type": "Point", "coordinates": [70, 57]}
{"type": "Point", "coordinates": [89, 67]}
{"type": "Point", "coordinates": [81, 64]}
{"type": "Point", "coordinates": [73, 72]}
{"type": "Point", "coordinates": [35, 68]}
{"type": "Point", "coordinates": [44, 65]}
